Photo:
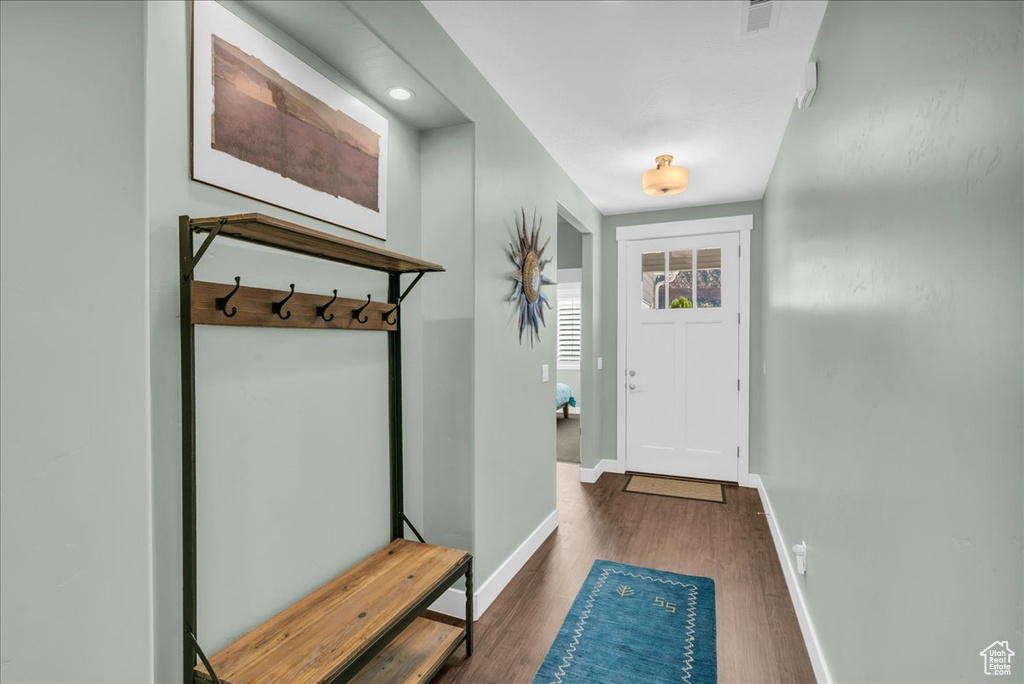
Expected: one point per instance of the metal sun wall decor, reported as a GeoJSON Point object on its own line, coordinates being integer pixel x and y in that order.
{"type": "Point", "coordinates": [530, 262]}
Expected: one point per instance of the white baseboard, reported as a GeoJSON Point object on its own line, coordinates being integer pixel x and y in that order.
{"type": "Point", "coordinates": [605, 465]}
{"type": "Point", "coordinates": [453, 601]}
{"type": "Point", "coordinates": [796, 594]}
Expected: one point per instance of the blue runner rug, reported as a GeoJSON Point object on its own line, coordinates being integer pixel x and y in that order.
{"type": "Point", "coordinates": [631, 625]}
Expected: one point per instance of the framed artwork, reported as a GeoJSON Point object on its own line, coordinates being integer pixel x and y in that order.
{"type": "Point", "coordinates": [268, 126]}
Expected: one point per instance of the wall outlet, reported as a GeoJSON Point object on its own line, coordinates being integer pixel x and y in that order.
{"type": "Point", "coordinates": [600, 362]}
{"type": "Point", "coordinates": [544, 373]}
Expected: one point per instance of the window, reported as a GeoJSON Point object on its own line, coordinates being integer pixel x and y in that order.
{"type": "Point", "coordinates": [709, 278]}
{"type": "Point", "coordinates": [569, 326]}
{"type": "Point", "coordinates": [689, 284]}
{"type": "Point", "coordinates": [680, 279]}
{"type": "Point", "coordinates": [653, 274]}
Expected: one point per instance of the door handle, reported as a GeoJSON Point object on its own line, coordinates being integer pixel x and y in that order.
{"type": "Point", "coordinates": [632, 386]}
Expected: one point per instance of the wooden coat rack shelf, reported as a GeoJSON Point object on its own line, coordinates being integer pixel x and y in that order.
{"type": "Point", "coordinates": [366, 624]}
{"type": "Point", "coordinates": [255, 306]}
{"type": "Point", "coordinates": [291, 237]}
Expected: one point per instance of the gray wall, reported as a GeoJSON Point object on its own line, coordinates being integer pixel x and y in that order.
{"type": "Point", "coordinates": [292, 447]}
{"type": "Point", "coordinates": [888, 193]}
{"type": "Point", "coordinates": [891, 440]}
{"type": "Point", "coordinates": [514, 439]}
{"type": "Point", "coordinates": [272, 385]}
{"type": "Point", "coordinates": [609, 309]}
{"type": "Point", "coordinates": [570, 246]}
{"type": "Point", "coordinates": [447, 400]}
{"type": "Point", "coordinates": [103, 490]}
{"type": "Point", "coordinates": [76, 566]}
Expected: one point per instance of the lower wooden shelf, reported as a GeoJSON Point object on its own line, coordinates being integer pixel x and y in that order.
{"type": "Point", "coordinates": [414, 656]}
{"type": "Point", "coordinates": [363, 621]}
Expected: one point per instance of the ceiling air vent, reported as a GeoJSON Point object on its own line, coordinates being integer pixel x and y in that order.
{"type": "Point", "coordinates": [759, 15]}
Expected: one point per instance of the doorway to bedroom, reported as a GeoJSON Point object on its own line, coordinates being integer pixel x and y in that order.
{"type": "Point", "coordinates": [569, 379]}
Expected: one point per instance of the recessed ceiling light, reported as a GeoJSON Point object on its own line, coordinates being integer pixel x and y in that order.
{"type": "Point", "coordinates": [401, 94]}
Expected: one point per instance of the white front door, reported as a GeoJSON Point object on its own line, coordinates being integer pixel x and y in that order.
{"type": "Point", "coordinates": [682, 356]}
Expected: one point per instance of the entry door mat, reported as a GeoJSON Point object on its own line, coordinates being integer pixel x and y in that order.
{"type": "Point", "coordinates": [676, 488]}
{"type": "Point", "coordinates": [631, 625]}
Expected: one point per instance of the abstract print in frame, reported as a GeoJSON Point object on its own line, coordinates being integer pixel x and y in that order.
{"type": "Point", "coordinates": [268, 126]}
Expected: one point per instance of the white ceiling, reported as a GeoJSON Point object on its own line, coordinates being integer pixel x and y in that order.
{"type": "Point", "coordinates": [607, 86]}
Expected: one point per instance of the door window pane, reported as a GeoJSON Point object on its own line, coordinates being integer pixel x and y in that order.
{"type": "Point", "coordinates": [680, 280]}
{"type": "Point", "coordinates": [709, 278]}
{"type": "Point", "coordinates": [653, 276]}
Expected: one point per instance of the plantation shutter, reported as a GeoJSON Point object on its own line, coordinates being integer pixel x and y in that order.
{"type": "Point", "coordinates": [568, 327]}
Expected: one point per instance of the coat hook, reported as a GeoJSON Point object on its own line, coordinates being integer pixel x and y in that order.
{"type": "Point", "coordinates": [222, 302]}
{"type": "Point", "coordinates": [321, 310]}
{"type": "Point", "coordinates": [356, 312]}
{"type": "Point", "coordinates": [387, 314]}
{"type": "Point", "coordinates": [277, 306]}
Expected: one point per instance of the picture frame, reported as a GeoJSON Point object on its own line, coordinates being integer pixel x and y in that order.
{"type": "Point", "coordinates": [268, 126]}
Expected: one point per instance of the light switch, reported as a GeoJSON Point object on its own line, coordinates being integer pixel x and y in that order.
{"type": "Point", "coordinates": [600, 362]}
{"type": "Point", "coordinates": [544, 373]}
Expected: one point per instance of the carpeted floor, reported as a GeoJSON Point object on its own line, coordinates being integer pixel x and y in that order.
{"type": "Point", "coordinates": [568, 438]}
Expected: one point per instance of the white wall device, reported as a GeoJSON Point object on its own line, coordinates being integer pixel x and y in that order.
{"type": "Point", "coordinates": [810, 84]}
{"type": "Point", "coordinates": [800, 551]}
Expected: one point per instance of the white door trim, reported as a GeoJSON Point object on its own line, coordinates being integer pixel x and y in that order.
{"type": "Point", "coordinates": [727, 224]}
{"type": "Point", "coordinates": [724, 224]}
{"type": "Point", "coordinates": [744, 413]}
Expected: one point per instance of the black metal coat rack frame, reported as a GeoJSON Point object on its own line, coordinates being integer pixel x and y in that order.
{"type": "Point", "coordinates": [226, 304]}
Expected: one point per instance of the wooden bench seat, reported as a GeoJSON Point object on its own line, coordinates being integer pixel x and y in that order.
{"type": "Point", "coordinates": [345, 621]}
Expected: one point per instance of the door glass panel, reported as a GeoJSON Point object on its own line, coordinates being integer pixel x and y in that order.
{"type": "Point", "coordinates": [680, 279]}
{"type": "Point", "coordinates": [653, 275]}
{"type": "Point", "coordinates": [709, 278]}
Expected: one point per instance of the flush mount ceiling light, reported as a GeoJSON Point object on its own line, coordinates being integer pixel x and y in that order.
{"type": "Point", "coordinates": [401, 94]}
{"type": "Point", "coordinates": [666, 179]}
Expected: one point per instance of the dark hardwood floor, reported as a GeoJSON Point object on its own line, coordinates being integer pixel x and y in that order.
{"type": "Point", "coordinates": [759, 638]}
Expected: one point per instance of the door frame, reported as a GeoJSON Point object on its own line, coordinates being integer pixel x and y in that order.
{"type": "Point", "coordinates": [588, 356]}
{"type": "Point", "coordinates": [625, 235]}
